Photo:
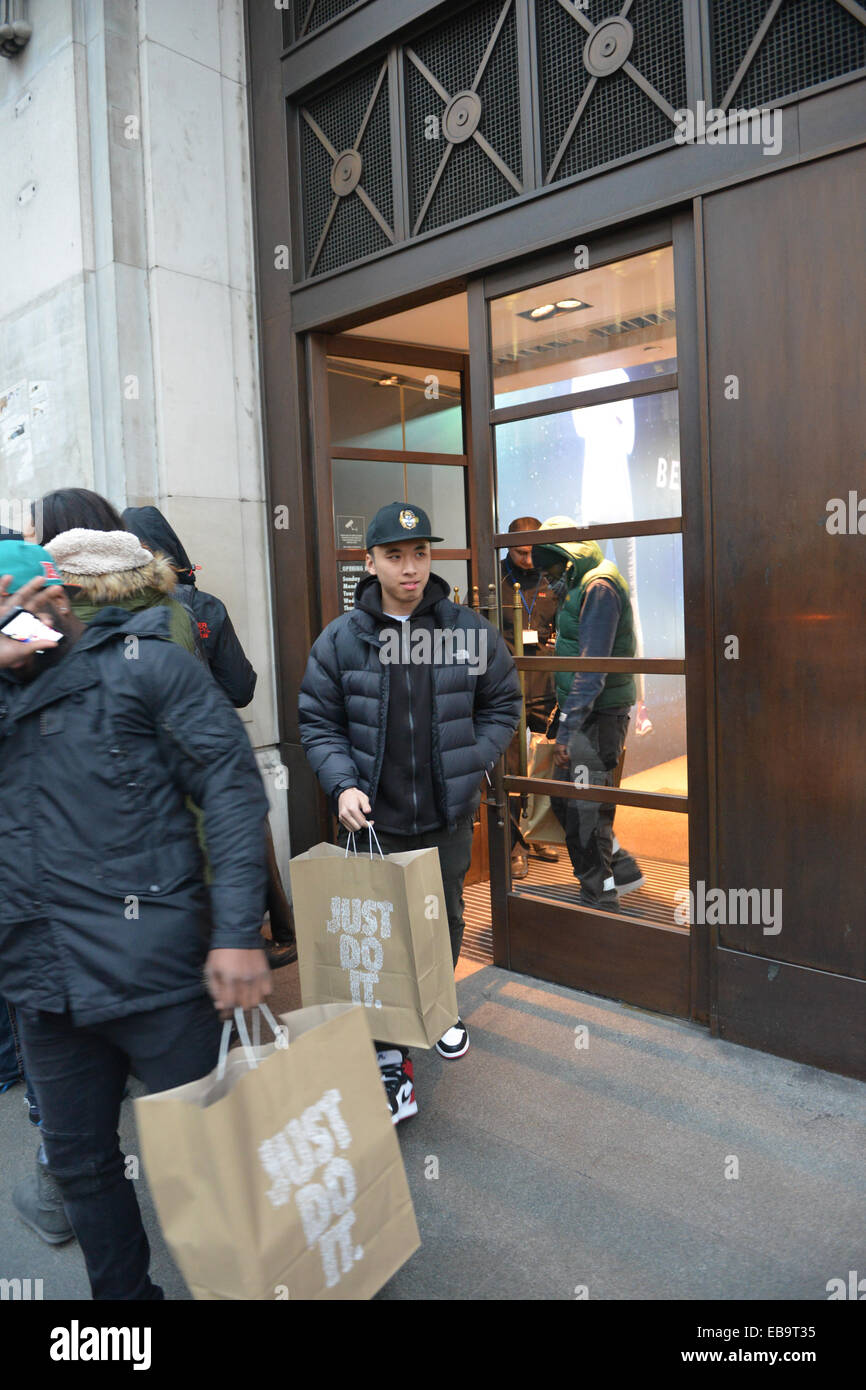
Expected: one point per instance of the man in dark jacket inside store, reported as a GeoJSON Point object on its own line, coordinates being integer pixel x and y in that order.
{"type": "Point", "coordinates": [537, 607]}
{"type": "Point", "coordinates": [110, 944]}
{"type": "Point", "coordinates": [594, 619]}
{"type": "Point", "coordinates": [404, 741]}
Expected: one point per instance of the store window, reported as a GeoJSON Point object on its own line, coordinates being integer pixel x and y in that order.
{"type": "Point", "coordinates": [385, 405]}
{"type": "Point", "coordinates": [555, 338]}
{"type": "Point", "coordinates": [396, 433]}
{"type": "Point", "coordinates": [586, 428]}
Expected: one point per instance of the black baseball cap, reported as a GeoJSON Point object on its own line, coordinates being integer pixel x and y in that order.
{"type": "Point", "coordinates": [399, 521]}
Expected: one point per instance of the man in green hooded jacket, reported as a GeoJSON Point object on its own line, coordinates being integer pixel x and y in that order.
{"type": "Point", "coordinates": [594, 619]}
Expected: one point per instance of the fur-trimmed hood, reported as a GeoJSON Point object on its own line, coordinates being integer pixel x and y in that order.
{"type": "Point", "coordinates": [112, 588]}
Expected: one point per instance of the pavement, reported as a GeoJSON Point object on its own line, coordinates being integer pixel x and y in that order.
{"type": "Point", "coordinates": [583, 1149]}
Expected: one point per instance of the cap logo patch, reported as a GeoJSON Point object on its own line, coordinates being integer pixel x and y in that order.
{"type": "Point", "coordinates": [408, 520]}
{"type": "Point", "coordinates": [49, 571]}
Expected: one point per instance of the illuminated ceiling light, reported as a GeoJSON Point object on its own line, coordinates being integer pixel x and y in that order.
{"type": "Point", "coordinates": [387, 381]}
{"type": "Point", "coordinates": [548, 311]}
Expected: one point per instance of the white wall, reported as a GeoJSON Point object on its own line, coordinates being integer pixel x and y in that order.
{"type": "Point", "coordinates": [128, 288]}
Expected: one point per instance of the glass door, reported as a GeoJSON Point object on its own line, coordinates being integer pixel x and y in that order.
{"type": "Point", "coordinates": [584, 417]}
{"type": "Point", "coordinates": [388, 421]}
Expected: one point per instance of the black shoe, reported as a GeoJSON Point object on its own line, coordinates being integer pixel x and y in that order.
{"type": "Point", "coordinates": [278, 956]}
{"type": "Point", "coordinates": [282, 924]}
{"type": "Point", "coordinates": [544, 852]}
{"type": "Point", "coordinates": [39, 1203]}
{"type": "Point", "coordinates": [627, 873]}
{"type": "Point", "coordinates": [606, 901]}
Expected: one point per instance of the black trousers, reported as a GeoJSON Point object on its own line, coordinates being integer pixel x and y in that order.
{"type": "Point", "coordinates": [79, 1075]}
{"type": "Point", "coordinates": [455, 854]}
{"type": "Point", "coordinates": [597, 746]}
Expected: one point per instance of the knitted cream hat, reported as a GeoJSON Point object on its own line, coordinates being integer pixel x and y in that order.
{"type": "Point", "coordinates": [82, 552]}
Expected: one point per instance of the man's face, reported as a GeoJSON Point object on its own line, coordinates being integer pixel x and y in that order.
{"type": "Point", "coordinates": [402, 569]}
{"type": "Point", "coordinates": [521, 555]}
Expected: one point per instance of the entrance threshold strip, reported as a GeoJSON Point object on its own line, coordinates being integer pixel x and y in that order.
{"type": "Point", "coordinates": [654, 902]}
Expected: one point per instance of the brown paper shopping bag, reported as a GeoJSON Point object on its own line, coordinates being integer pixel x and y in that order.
{"type": "Point", "coordinates": [372, 929]}
{"type": "Point", "coordinates": [538, 822]}
{"type": "Point", "coordinates": [282, 1180]}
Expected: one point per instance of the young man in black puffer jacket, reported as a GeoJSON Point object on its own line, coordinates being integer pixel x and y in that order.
{"type": "Point", "coordinates": [401, 727]}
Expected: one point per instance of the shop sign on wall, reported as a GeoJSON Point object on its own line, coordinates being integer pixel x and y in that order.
{"type": "Point", "coordinates": [348, 574]}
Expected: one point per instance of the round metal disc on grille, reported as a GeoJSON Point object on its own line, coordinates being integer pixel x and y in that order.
{"type": "Point", "coordinates": [461, 116]}
{"type": "Point", "coordinates": [608, 47]}
{"type": "Point", "coordinates": [346, 173]}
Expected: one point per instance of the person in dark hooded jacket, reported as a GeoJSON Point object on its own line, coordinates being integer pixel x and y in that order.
{"type": "Point", "coordinates": [222, 648]}
{"type": "Point", "coordinates": [110, 943]}
{"type": "Point", "coordinates": [403, 739]}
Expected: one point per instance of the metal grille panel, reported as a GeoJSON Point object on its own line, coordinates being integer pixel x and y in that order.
{"type": "Point", "coordinates": [470, 180]}
{"type": "Point", "coordinates": [352, 229]}
{"type": "Point", "coordinates": [618, 118]}
{"type": "Point", "coordinates": [808, 42]}
{"type": "Point", "coordinates": [310, 15]}
{"type": "Point", "coordinates": [659, 47]}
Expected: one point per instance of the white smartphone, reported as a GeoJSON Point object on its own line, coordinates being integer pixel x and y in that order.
{"type": "Point", "coordinates": [24, 627]}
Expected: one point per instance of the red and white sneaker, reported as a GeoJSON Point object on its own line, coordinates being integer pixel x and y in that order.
{"type": "Point", "coordinates": [398, 1076]}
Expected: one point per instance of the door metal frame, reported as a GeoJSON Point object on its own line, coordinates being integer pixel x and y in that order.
{"type": "Point", "coordinates": [605, 947]}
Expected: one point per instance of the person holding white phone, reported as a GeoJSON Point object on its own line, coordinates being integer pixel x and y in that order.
{"type": "Point", "coordinates": [115, 955]}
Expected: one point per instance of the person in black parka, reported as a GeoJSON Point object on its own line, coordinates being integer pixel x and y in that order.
{"type": "Point", "coordinates": [110, 942]}
{"type": "Point", "coordinates": [406, 702]}
{"type": "Point", "coordinates": [222, 648]}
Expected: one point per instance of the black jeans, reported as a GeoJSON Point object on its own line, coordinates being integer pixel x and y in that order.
{"type": "Point", "coordinates": [596, 746]}
{"type": "Point", "coordinates": [79, 1075]}
{"type": "Point", "coordinates": [10, 1064]}
{"type": "Point", "coordinates": [455, 854]}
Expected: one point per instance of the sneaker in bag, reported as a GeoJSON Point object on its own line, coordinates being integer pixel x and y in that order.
{"type": "Point", "coordinates": [398, 1077]}
{"type": "Point", "coordinates": [455, 1042]}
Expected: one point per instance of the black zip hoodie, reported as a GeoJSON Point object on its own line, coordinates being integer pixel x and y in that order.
{"type": "Point", "coordinates": [406, 798]}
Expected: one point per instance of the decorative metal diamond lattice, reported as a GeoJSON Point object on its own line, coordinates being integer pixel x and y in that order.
{"type": "Point", "coordinates": [616, 89]}
{"type": "Point", "coordinates": [463, 79]}
{"type": "Point", "coordinates": [347, 173]}
{"type": "Point", "coordinates": [764, 50]}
